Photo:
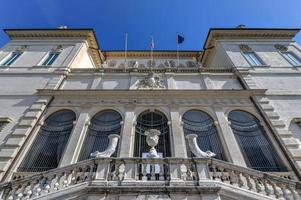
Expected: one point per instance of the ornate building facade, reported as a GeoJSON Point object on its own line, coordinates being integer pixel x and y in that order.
{"type": "Point", "coordinates": [219, 124]}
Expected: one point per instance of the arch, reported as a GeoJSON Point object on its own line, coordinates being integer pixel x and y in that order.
{"type": "Point", "coordinates": [258, 151]}
{"type": "Point", "coordinates": [200, 123]}
{"type": "Point", "coordinates": [49, 145]}
{"type": "Point", "coordinates": [103, 124]}
{"type": "Point", "coordinates": [152, 120]}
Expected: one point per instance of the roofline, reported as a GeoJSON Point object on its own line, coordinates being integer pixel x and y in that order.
{"type": "Point", "coordinates": [249, 29]}
{"type": "Point", "coordinates": [137, 50]}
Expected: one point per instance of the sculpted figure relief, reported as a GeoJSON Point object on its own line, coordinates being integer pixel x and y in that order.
{"type": "Point", "coordinates": [151, 81]}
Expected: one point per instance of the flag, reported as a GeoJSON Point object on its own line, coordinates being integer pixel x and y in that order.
{"type": "Point", "coordinates": [180, 39]}
{"type": "Point", "coordinates": [152, 43]}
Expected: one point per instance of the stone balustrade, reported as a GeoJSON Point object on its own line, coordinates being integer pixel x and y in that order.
{"type": "Point", "coordinates": [105, 172]}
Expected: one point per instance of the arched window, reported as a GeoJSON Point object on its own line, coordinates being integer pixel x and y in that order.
{"type": "Point", "coordinates": [152, 120]}
{"type": "Point", "coordinates": [251, 137]}
{"type": "Point", "coordinates": [49, 145]}
{"type": "Point", "coordinates": [201, 124]}
{"type": "Point", "coordinates": [102, 125]}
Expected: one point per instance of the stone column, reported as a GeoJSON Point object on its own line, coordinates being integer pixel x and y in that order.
{"type": "Point", "coordinates": [229, 138]}
{"type": "Point", "coordinates": [177, 134]}
{"type": "Point", "coordinates": [75, 140]}
{"type": "Point", "coordinates": [127, 136]}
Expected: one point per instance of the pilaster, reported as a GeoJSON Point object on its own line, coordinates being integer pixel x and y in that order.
{"type": "Point", "coordinates": [177, 134]}
{"type": "Point", "coordinates": [127, 136]}
{"type": "Point", "coordinates": [229, 138]}
{"type": "Point", "coordinates": [76, 139]}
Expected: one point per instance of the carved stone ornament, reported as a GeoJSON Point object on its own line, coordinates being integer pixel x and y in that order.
{"type": "Point", "coordinates": [113, 141]}
{"type": "Point", "coordinates": [194, 147]}
{"type": "Point", "coordinates": [22, 48]}
{"type": "Point", "coordinates": [280, 47]}
{"type": "Point", "coordinates": [58, 48]}
{"type": "Point", "coordinates": [151, 81]}
{"type": "Point", "coordinates": [112, 63]}
{"type": "Point", "coordinates": [152, 139]}
{"type": "Point", "coordinates": [245, 47]}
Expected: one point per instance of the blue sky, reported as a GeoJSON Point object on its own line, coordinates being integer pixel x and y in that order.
{"type": "Point", "coordinates": [141, 18]}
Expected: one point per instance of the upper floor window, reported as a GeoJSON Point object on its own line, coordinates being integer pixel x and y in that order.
{"type": "Point", "coordinates": [250, 55]}
{"type": "Point", "coordinates": [291, 58]}
{"type": "Point", "coordinates": [50, 58]}
{"type": "Point", "coordinates": [12, 58]}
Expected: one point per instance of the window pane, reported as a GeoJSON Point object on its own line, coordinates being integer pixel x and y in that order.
{"type": "Point", "coordinates": [48, 147]}
{"type": "Point", "coordinates": [50, 59]}
{"type": "Point", "coordinates": [255, 146]}
{"type": "Point", "coordinates": [292, 58]}
{"type": "Point", "coordinates": [102, 125]}
{"type": "Point", "coordinates": [152, 120]}
{"type": "Point", "coordinates": [253, 59]}
{"type": "Point", "coordinates": [12, 58]}
{"type": "Point", "coordinates": [201, 124]}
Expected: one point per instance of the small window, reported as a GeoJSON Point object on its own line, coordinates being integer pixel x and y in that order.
{"type": "Point", "coordinates": [50, 58]}
{"type": "Point", "coordinates": [291, 58]}
{"type": "Point", "coordinates": [253, 59]}
{"type": "Point", "coordinates": [12, 58]}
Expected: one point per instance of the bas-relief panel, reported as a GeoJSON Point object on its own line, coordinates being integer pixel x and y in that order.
{"type": "Point", "coordinates": [78, 83]}
{"type": "Point", "coordinates": [225, 83]}
{"type": "Point", "coordinates": [278, 82]}
{"type": "Point", "coordinates": [22, 84]}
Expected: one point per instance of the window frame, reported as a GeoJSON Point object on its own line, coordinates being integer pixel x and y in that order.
{"type": "Point", "coordinates": [289, 59]}
{"type": "Point", "coordinates": [47, 56]}
{"type": "Point", "coordinates": [256, 56]}
{"type": "Point", "coordinates": [9, 59]}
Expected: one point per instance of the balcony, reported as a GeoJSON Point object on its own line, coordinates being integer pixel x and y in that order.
{"type": "Point", "coordinates": [101, 174]}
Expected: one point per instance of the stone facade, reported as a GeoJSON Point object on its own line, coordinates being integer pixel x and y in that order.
{"type": "Point", "coordinates": [86, 80]}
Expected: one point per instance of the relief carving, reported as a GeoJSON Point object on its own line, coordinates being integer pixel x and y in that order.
{"type": "Point", "coordinates": [151, 81]}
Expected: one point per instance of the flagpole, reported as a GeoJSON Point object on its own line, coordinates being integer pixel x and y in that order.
{"type": "Point", "coordinates": [125, 51]}
{"type": "Point", "coordinates": [177, 49]}
{"type": "Point", "coordinates": [152, 42]}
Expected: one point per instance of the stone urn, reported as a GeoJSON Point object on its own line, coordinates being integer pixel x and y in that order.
{"type": "Point", "coordinates": [152, 139]}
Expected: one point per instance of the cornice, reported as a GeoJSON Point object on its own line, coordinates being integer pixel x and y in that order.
{"type": "Point", "coordinates": [156, 54]}
{"type": "Point", "coordinates": [152, 94]}
{"type": "Point", "coordinates": [38, 34]}
{"type": "Point", "coordinates": [146, 70]}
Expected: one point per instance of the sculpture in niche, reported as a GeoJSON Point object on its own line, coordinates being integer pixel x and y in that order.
{"type": "Point", "coordinates": [152, 139]}
{"type": "Point", "coordinates": [150, 81]}
{"type": "Point", "coordinates": [112, 63]}
{"type": "Point", "coordinates": [113, 141]}
{"type": "Point", "coordinates": [280, 47]}
{"type": "Point", "coordinates": [194, 147]}
{"type": "Point", "coordinates": [245, 48]}
{"type": "Point", "coordinates": [135, 64]}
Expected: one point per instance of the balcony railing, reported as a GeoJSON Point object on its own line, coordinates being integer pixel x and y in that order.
{"type": "Point", "coordinates": [149, 172]}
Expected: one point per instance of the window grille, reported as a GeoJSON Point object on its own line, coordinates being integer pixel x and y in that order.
{"type": "Point", "coordinates": [102, 125]}
{"type": "Point", "coordinates": [152, 120]}
{"type": "Point", "coordinates": [201, 124]}
{"type": "Point", "coordinates": [49, 145]}
{"type": "Point", "coordinates": [251, 137]}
